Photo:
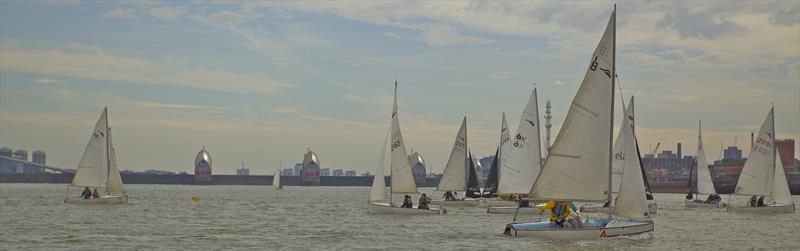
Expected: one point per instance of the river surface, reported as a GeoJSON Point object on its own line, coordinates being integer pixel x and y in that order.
{"type": "Point", "coordinates": [164, 217]}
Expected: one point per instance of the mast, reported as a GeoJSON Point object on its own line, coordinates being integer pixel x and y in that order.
{"type": "Point", "coordinates": [108, 156]}
{"type": "Point", "coordinates": [613, 82]}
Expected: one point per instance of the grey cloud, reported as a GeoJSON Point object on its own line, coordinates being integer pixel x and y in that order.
{"type": "Point", "coordinates": [700, 25]}
{"type": "Point", "coordinates": [787, 16]}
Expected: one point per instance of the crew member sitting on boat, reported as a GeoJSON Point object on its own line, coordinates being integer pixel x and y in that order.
{"type": "Point", "coordinates": [760, 202]}
{"type": "Point", "coordinates": [95, 195]}
{"type": "Point", "coordinates": [86, 194]}
{"type": "Point", "coordinates": [521, 202]}
{"type": "Point", "coordinates": [713, 199]}
{"type": "Point", "coordinates": [449, 196]}
{"type": "Point", "coordinates": [559, 211]}
{"type": "Point", "coordinates": [753, 201]}
{"type": "Point", "coordinates": [423, 202]}
{"type": "Point", "coordinates": [574, 218]}
{"type": "Point", "coordinates": [407, 202]}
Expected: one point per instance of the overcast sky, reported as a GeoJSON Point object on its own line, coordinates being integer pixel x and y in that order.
{"type": "Point", "coordinates": [261, 82]}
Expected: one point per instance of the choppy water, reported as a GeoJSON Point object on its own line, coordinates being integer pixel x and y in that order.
{"type": "Point", "coordinates": [33, 217]}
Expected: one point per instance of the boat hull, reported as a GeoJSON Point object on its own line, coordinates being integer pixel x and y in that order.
{"type": "Point", "coordinates": [456, 203]}
{"type": "Point", "coordinates": [593, 229]}
{"type": "Point", "coordinates": [652, 208]}
{"type": "Point", "coordinates": [385, 208]}
{"type": "Point", "coordinates": [762, 210]}
{"type": "Point", "coordinates": [513, 210]}
{"type": "Point", "coordinates": [101, 200]}
{"type": "Point", "coordinates": [702, 204]}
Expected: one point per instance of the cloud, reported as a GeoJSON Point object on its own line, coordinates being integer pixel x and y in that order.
{"type": "Point", "coordinates": [49, 82]}
{"type": "Point", "coordinates": [101, 65]}
{"type": "Point", "coordinates": [121, 13]}
{"type": "Point", "coordinates": [287, 109]}
{"type": "Point", "coordinates": [224, 18]}
{"type": "Point", "coordinates": [392, 35]}
{"type": "Point", "coordinates": [168, 13]}
{"type": "Point", "coordinates": [179, 106]}
{"type": "Point", "coordinates": [684, 97]}
{"type": "Point", "coordinates": [699, 24]}
{"type": "Point", "coordinates": [444, 36]}
{"type": "Point", "coordinates": [501, 75]}
{"type": "Point", "coordinates": [559, 82]}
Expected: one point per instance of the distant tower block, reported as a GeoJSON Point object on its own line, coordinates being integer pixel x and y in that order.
{"type": "Point", "coordinates": [547, 125]}
{"type": "Point", "coordinates": [310, 172]}
{"type": "Point", "coordinates": [202, 166]}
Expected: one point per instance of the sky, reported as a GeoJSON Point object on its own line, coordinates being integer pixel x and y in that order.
{"type": "Point", "coordinates": [260, 82]}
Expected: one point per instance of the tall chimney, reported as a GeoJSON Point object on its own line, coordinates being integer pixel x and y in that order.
{"type": "Point", "coordinates": [679, 151]}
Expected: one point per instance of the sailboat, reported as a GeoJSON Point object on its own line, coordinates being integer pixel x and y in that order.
{"type": "Point", "coordinates": [459, 173]}
{"type": "Point", "coordinates": [98, 167]}
{"type": "Point", "coordinates": [523, 161]}
{"type": "Point", "coordinates": [705, 184]}
{"type": "Point", "coordinates": [578, 166]}
{"type": "Point", "coordinates": [402, 178]}
{"type": "Point", "coordinates": [763, 174]}
{"type": "Point", "coordinates": [276, 179]}
{"type": "Point", "coordinates": [621, 159]}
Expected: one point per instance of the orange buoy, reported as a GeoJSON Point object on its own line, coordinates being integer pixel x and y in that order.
{"type": "Point", "coordinates": [195, 197]}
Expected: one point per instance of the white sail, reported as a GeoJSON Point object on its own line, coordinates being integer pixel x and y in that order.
{"type": "Point", "coordinates": [631, 201]}
{"type": "Point", "coordinates": [276, 179]}
{"type": "Point", "coordinates": [780, 187]}
{"type": "Point", "coordinates": [578, 164]}
{"type": "Point", "coordinates": [378, 191]}
{"type": "Point", "coordinates": [402, 178]}
{"type": "Point", "coordinates": [758, 171]}
{"type": "Point", "coordinates": [705, 185]}
{"type": "Point", "coordinates": [114, 179]}
{"type": "Point", "coordinates": [619, 149]}
{"type": "Point", "coordinates": [523, 159]}
{"type": "Point", "coordinates": [93, 168]}
{"type": "Point", "coordinates": [504, 148]}
{"type": "Point", "coordinates": [454, 177]}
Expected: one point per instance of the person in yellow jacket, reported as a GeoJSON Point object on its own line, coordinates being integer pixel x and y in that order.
{"type": "Point", "coordinates": [559, 211]}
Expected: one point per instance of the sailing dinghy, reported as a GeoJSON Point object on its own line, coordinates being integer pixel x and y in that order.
{"type": "Point", "coordinates": [459, 173]}
{"type": "Point", "coordinates": [402, 178]}
{"type": "Point", "coordinates": [98, 168]}
{"type": "Point", "coordinates": [523, 161]}
{"type": "Point", "coordinates": [578, 166]}
{"type": "Point", "coordinates": [763, 174]}
{"type": "Point", "coordinates": [705, 184]}
{"type": "Point", "coordinates": [276, 179]}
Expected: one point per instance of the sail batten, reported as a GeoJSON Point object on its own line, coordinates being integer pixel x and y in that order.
{"type": "Point", "coordinates": [586, 133]}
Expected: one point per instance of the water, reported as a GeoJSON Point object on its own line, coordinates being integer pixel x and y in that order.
{"type": "Point", "coordinates": [33, 217]}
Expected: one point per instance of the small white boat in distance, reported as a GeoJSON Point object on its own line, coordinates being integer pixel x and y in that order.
{"type": "Point", "coordinates": [98, 168]}
{"type": "Point", "coordinates": [276, 180]}
{"type": "Point", "coordinates": [459, 173]}
{"type": "Point", "coordinates": [402, 178]}
{"type": "Point", "coordinates": [763, 174]}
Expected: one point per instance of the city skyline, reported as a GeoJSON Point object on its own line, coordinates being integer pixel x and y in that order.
{"type": "Point", "coordinates": [261, 82]}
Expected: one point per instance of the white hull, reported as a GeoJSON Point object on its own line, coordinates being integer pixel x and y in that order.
{"type": "Point", "coordinates": [101, 200]}
{"type": "Point", "coordinates": [702, 204]}
{"type": "Point", "coordinates": [456, 203]}
{"type": "Point", "coordinates": [513, 210]}
{"type": "Point", "coordinates": [385, 208]}
{"type": "Point", "coordinates": [594, 229]}
{"type": "Point", "coordinates": [763, 210]}
{"type": "Point", "coordinates": [652, 207]}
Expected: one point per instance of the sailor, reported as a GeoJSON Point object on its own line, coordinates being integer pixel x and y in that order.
{"type": "Point", "coordinates": [760, 202]}
{"type": "Point", "coordinates": [448, 196]}
{"type": "Point", "coordinates": [86, 194]}
{"type": "Point", "coordinates": [559, 211]}
{"type": "Point", "coordinates": [717, 199]}
{"type": "Point", "coordinates": [407, 202]}
{"type": "Point", "coordinates": [423, 202]}
{"type": "Point", "coordinates": [710, 199]}
{"type": "Point", "coordinates": [753, 201]}
{"type": "Point", "coordinates": [574, 219]}
{"type": "Point", "coordinates": [95, 195]}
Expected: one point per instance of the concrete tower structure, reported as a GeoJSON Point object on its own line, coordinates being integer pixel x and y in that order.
{"type": "Point", "coordinates": [310, 172]}
{"type": "Point", "coordinates": [547, 125]}
{"type": "Point", "coordinates": [202, 166]}
{"type": "Point", "coordinates": [418, 168]}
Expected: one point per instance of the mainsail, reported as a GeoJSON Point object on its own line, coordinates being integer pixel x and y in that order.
{"type": "Point", "coordinates": [523, 159]}
{"type": "Point", "coordinates": [94, 166]}
{"type": "Point", "coordinates": [454, 177]}
{"type": "Point", "coordinates": [620, 158]}
{"type": "Point", "coordinates": [578, 166]}
{"type": "Point", "coordinates": [705, 185]}
{"type": "Point", "coordinates": [757, 174]}
{"type": "Point", "coordinates": [402, 178]}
